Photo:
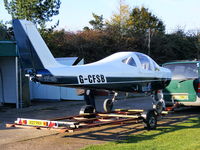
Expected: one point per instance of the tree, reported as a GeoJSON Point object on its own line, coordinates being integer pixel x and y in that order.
{"type": "Point", "coordinates": [116, 28]}
{"type": "Point", "coordinates": [174, 46]}
{"type": "Point", "coordinates": [141, 20]}
{"type": "Point", "coordinates": [4, 32]}
{"type": "Point", "coordinates": [119, 20]}
{"type": "Point", "coordinates": [198, 45]}
{"type": "Point", "coordinates": [97, 23]}
{"type": "Point", "coordinates": [91, 45]}
{"type": "Point", "coordinates": [37, 11]}
{"type": "Point", "coordinates": [136, 26]}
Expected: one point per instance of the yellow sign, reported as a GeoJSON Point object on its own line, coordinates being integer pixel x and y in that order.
{"type": "Point", "coordinates": [37, 123]}
{"type": "Point", "coordinates": [180, 97]}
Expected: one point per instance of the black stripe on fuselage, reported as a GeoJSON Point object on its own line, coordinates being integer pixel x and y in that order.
{"type": "Point", "coordinates": [110, 80]}
{"type": "Point", "coordinates": [131, 79]}
{"type": "Point", "coordinates": [113, 83]}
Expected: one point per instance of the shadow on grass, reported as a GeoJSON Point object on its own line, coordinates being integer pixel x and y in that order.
{"type": "Point", "coordinates": [121, 133]}
{"type": "Point", "coordinates": [164, 130]}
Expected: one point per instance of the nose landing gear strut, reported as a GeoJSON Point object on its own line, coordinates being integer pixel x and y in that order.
{"type": "Point", "coordinates": [108, 103]}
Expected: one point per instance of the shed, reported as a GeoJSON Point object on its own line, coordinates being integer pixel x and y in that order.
{"type": "Point", "coordinates": [9, 77]}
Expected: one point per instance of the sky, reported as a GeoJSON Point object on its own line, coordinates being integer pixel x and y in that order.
{"type": "Point", "coordinates": [75, 14]}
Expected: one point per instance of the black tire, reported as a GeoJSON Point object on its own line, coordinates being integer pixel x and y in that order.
{"type": "Point", "coordinates": [87, 109]}
{"type": "Point", "coordinates": [108, 105]}
{"type": "Point", "coordinates": [150, 121]}
{"type": "Point", "coordinates": [158, 107]}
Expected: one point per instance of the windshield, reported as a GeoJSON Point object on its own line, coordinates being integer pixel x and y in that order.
{"type": "Point", "coordinates": [182, 71]}
{"type": "Point", "coordinates": [145, 63]}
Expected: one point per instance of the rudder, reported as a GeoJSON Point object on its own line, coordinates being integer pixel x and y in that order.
{"type": "Point", "coordinates": [33, 51]}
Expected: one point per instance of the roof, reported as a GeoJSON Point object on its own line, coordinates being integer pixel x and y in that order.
{"type": "Point", "coordinates": [8, 48]}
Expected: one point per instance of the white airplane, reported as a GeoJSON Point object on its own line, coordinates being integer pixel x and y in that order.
{"type": "Point", "coordinates": [122, 71]}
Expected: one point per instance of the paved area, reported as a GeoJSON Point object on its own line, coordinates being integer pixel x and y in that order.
{"type": "Point", "coordinates": [53, 109]}
{"type": "Point", "coordinates": [12, 138]}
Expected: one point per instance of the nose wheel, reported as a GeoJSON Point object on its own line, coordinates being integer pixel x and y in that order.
{"type": "Point", "coordinates": [108, 105]}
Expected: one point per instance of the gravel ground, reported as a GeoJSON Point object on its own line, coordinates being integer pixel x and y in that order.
{"type": "Point", "coordinates": [24, 139]}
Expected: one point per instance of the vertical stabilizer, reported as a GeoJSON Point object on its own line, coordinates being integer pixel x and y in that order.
{"type": "Point", "coordinates": [32, 49]}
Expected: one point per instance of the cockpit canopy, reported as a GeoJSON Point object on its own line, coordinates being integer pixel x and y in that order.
{"type": "Point", "coordinates": [130, 61]}
{"type": "Point", "coordinates": [146, 62]}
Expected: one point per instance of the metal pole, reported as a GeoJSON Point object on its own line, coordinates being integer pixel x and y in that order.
{"type": "Point", "coordinates": [2, 88]}
{"type": "Point", "coordinates": [149, 42]}
{"type": "Point", "coordinates": [198, 45]}
{"type": "Point", "coordinates": [17, 83]}
{"type": "Point", "coordinates": [20, 86]}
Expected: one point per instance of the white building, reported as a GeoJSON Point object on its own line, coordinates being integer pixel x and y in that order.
{"type": "Point", "coordinates": [9, 86]}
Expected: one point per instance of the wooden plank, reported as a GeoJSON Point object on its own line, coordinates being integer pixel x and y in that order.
{"type": "Point", "coordinates": [119, 115]}
{"type": "Point", "coordinates": [136, 110]}
{"type": "Point", "coordinates": [130, 110]}
{"type": "Point", "coordinates": [71, 117]}
{"type": "Point", "coordinates": [164, 112]}
{"type": "Point", "coordinates": [110, 119]}
{"type": "Point", "coordinates": [109, 122]}
{"type": "Point", "coordinates": [120, 109]}
{"type": "Point", "coordinates": [26, 127]}
{"type": "Point", "coordinates": [85, 120]}
{"type": "Point", "coordinates": [126, 112]}
{"type": "Point", "coordinates": [34, 127]}
{"type": "Point", "coordinates": [8, 125]}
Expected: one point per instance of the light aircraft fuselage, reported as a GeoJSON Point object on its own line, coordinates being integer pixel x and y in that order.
{"type": "Point", "coordinates": [115, 72]}
{"type": "Point", "coordinates": [122, 71]}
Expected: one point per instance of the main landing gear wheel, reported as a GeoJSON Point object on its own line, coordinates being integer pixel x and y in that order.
{"type": "Point", "coordinates": [150, 120]}
{"type": "Point", "coordinates": [87, 109]}
{"type": "Point", "coordinates": [108, 105]}
{"type": "Point", "coordinates": [158, 106]}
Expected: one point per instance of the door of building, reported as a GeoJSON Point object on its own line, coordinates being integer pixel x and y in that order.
{"type": "Point", "coordinates": [1, 88]}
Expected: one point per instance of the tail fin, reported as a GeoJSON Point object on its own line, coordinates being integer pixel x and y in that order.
{"type": "Point", "coordinates": [32, 49]}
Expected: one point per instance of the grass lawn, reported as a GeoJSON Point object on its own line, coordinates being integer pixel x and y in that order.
{"type": "Point", "coordinates": [182, 136]}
